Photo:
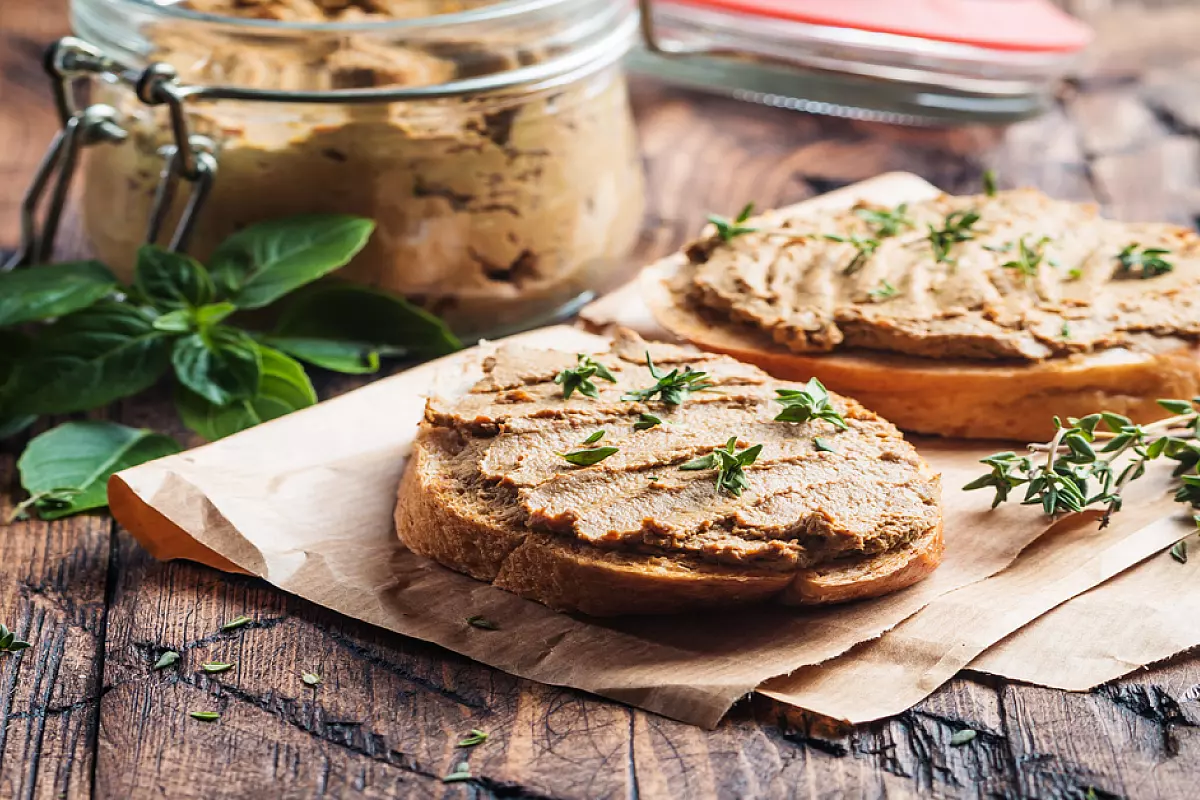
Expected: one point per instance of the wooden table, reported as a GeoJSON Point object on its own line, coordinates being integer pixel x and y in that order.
{"type": "Point", "coordinates": [82, 713]}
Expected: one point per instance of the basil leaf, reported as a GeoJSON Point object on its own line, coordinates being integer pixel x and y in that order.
{"type": "Point", "coordinates": [259, 264]}
{"type": "Point", "coordinates": [209, 315]}
{"type": "Point", "coordinates": [283, 387]}
{"type": "Point", "coordinates": [88, 360]}
{"type": "Point", "coordinates": [352, 358]}
{"type": "Point", "coordinates": [13, 346]}
{"type": "Point", "coordinates": [171, 281]}
{"type": "Point", "coordinates": [183, 320]}
{"type": "Point", "coordinates": [54, 290]}
{"type": "Point", "coordinates": [346, 312]}
{"type": "Point", "coordinates": [66, 469]}
{"type": "Point", "coordinates": [221, 364]}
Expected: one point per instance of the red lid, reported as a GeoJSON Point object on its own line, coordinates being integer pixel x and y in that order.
{"type": "Point", "coordinates": [1031, 25]}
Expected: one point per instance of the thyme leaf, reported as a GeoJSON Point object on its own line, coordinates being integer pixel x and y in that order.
{"type": "Point", "coordinates": [989, 182]}
{"type": "Point", "coordinates": [731, 476]}
{"type": "Point", "coordinates": [884, 291]}
{"type": "Point", "coordinates": [887, 222]}
{"type": "Point", "coordinates": [956, 228]}
{"type": "Point", "coordinates": [1135, 261]}
{"type": "Point", "coordinates": [595, 437]}
{"type": "Point", "coordinates": [586, 457]}
{"type": "Point", "coordinates": [646, 422]}
{"type": "Point", "coordinates": [204, 716]}
{"type": "Point", "coordinates": [310, 678]}
{"type": "Point", "coordinates": [1179, 552]}
{"type": "Point", "coordinates": [235, 623]}
{"type": "Point", "coordinates": [1029, 257]}
{"type": "Point", "coordinates": [216, 666]}
{"type": "Point", "coordinates": [811, 402]}
{"type": "Point", "coordinates": [462, 772]}
{"type": "Point", "coordinates": [864, 247]}
{"type": "Point", "coordinates": [166, 659]}
{"type": "Point", "coordinates": [727, 228]}
{"type": "Point", "coordinates": [580, 377]}
{"type": "Point", "coordinates": [823, 446]}
{"type": "Point", "coordinates": [672, 387]}
{"type": "Point", "coordinates": [483, 623]}
{"type": "Point", "coordinates": [959, 738]}
{"type": "Point", "coordinates": [475, 737]}
{"type": "Point", "coordinates": [9, 643]}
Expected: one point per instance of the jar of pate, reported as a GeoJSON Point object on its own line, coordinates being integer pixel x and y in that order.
{"type": "Point", "coordinates": [491, 142]}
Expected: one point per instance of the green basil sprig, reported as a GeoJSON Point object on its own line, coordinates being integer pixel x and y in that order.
{"type": "Point", "coordinates": [85, 341]}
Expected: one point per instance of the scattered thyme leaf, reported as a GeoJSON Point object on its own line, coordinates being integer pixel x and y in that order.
{"type": "Point", "coordinates": [989, 182]}
{"type": "Point", "coordinates": [822, 445]}
{"type": "Point", "coordinates": [884, 291]}
{"type": "Point", "coordinates": [483, 623]}
{"type": "Point", "coordinates": [1179, 552]}
{"type": "Point", "coordinates": [580, 377]}
{"type": "Point", "coordinates": [595, 437]}
{"type": "Point", "coordinates": [475, 737]}
{"type": "Point", "coordinates": [956, 228]}
{"type": "Point", "coordinates": [811, 402]}
{"type": "Point", "coordinates": [462, 772]}
{"type": "Point", "coordinates": [1136, 261]}
{"type": "Point", "coordinates": [235, 623]}
{"type": "Point", "coordinates": [727, 228]}
{"type": "Point", "coordinates": [731, 476]}
{"type": "Point", "coordinates": [646, 421]}
{"type": "Point", "coordinates": [959, 738]}
{"type": "Point", "coordinates": [9, 643]}
{"type": "Point", "coordinates": [672, 387]}
{"type": "Point", "coordinates": [204, 716]}
{"type": "Point", "coordinates": [216, 666]}
{"type": "Point", "coordinates": [1029, 257]}
{"type": "Point", "coordinates": [865, 247]}
{"type": "Point", "coordinates": [310, 678]}
{"type": "Point", "coordinates": [167, 659]}
{"type": "Point", "coordinates": [1066, 330]}
{"type": "Point", "coordinates": [1074, 274]}
{"type": "Point", "coordinates": [888, 222]}
{"type": "Point", "coordinates": [588, 456]}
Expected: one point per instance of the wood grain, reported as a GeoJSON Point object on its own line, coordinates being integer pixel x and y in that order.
{"type": "Point", "coordinates": [83, 714]}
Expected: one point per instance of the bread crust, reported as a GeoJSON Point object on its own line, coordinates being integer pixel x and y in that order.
{"type": "Point", "coordinates": [431, 520]}
{"type": "Point", "coordinates": [954, 398]}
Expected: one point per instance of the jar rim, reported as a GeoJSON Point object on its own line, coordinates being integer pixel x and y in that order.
{"type": "Point", "coordinates": [494, 11]}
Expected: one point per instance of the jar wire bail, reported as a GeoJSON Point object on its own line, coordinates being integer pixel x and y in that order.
{"type": "Point", "coordinates": [69, 62]}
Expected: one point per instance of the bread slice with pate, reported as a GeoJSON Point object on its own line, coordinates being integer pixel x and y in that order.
{"type": "Point", "coordinates": [614, 500]}
{"type": "Point", "coordinates": [976, 317]}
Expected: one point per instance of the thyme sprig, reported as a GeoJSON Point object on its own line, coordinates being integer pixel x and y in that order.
{"type": "Point", "coordinates": [1029, 257]}
{"type": "Point", "coordinates": [728, 228]}
{"type": "Point", "coordinates": [1135, 261]}
{"type": "Point", "coordinates": [672, 387]}
{"type": "Point", "coordinates": [580, 378]}
{"type": "Point", "coordinates": [864, 247]}
{"type": "Point", "coordinates": [884, 291]}
{"type": "Point", "coordinates": [811, 402]}
{"type": "Point", "coordinates": [1070, 473]}
{"type": "Point", "coordinates": [886, 222]}
{"type": "Point", "coordinates": [956, 228]}
{"type": "Point", "coordinates": [731, 476]}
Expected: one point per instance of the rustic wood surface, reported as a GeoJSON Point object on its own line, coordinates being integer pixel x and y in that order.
{"type": "Point", "coordinates": [82, 713]}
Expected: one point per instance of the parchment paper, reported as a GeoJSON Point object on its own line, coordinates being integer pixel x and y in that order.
{"type": "Point", "coordinates": [305, 502]}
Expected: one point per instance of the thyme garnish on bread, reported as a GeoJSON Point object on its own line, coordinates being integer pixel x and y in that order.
{"type": "Point", "coordinates": [1090, 460]}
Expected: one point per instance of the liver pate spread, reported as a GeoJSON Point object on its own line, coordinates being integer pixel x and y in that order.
{"type": "Point", "coordinates": [863, 490]}
{"type": "Point", "coordinates": [1029, 279]}
{"type": "Point", "coordinates": [493, 210]}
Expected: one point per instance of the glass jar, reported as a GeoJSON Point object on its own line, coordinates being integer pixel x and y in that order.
{"type": "Point", "coordinates": [505, 182]}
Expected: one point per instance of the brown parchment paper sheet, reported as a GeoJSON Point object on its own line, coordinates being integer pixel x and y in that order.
{"type": "Point", "coordinates": [305, 502]}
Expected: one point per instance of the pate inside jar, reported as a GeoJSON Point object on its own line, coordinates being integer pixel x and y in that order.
{"type": "Point", "coordinates": [498, 207]}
